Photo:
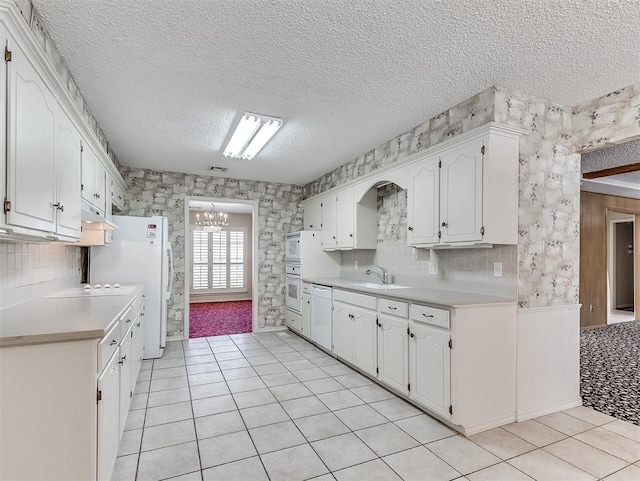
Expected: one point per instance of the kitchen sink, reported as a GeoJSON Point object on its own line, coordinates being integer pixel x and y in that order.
{"type": "Point", "coordinates": [383, 287]}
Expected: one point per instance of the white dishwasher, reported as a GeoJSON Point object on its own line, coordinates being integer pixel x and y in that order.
{"type": "Point", "coordinates": [321, 315]}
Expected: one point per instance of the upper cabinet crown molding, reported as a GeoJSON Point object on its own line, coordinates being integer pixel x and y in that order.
{"type": "Point", "coordinates": [397, 172]}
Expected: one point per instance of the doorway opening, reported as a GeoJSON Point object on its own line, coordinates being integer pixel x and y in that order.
{"type": "Point", "coordinates": [220, 280]}
{"type": "Point", "coordinates": [620, 267]}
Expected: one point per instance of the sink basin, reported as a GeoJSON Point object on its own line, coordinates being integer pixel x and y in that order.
{"type": "Point", "coordinates": [382, 287]}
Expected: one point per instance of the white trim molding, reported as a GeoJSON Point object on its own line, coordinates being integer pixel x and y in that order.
{"type": "Point", "coordinates": [548, 360]}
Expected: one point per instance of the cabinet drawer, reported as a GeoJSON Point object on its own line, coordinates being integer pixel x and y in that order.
{"type": "Point", "coordinates": [306, 288]}
{"type": "Point", "coordinates": [293, 320]}
{"type": "Point", "coordinates": [107, 346]}
{"type": "Point", "coordinates": [430, 315]}
{"type": "Point", "coordinates": [394, 308]}
{"type": "Point", "coordinates": [361, 300]}
{"type": "Point", "coordinates": [126, 321]}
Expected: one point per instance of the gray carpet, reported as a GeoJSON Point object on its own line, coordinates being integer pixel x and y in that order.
{"type": "Point", "coordinates": [610, 370]}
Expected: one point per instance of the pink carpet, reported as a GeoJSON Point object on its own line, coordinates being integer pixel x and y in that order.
{"type": "Point", "coordinates": [217, 318]}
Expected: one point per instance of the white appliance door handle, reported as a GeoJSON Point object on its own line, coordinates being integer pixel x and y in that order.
{"type": "Point", "coordinates": [170, 256]}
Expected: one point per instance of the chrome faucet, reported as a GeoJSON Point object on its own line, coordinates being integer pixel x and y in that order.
{"type": "Point", "coordinates": [384, 276]}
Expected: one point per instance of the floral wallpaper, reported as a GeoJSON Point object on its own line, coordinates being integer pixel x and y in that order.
{"type": "Point", "coordinates": [549, 207]}
{"type": "Point", "coordinates": [279, 212]}
{"type": "Point", "coordinates": [608, 120]}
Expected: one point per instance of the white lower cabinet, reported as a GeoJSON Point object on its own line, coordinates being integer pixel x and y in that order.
{"type": "Point", "coordinates": [117, 382]}
{"type": "Point", "coordinates": [354, 329]}
{"type": "Point", "coordinates": [126, 356]}
{"type": "Point", "coordinates": [393, 354]}
{"type": "Point", "coordinates": [458, 363]}
{"type": "Point", "coordinates": [365, 352]}
{"type": "Point", "coordinates": [108, 414]}
{"type": "Point", "coordinates": [430, 367]}
{"type": "Point", "coordinates": [305, 321]}
{"type": "Point", "coordinates": [342, 331]}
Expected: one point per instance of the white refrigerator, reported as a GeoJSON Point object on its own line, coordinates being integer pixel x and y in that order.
{"type": "Point", "coordinates": [140, 252]}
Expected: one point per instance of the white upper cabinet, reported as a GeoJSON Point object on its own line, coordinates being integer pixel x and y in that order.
{"type": "Point", "coordinates": [94, 179]}
{"type": "Point", "coordinates": [345, 229]}
{"type": "Point", "coordinates": [88, 174]}
{"type": "Point", "coordinates": [423, 202]}
{"type": "Point", "coordinates": [313, 214]}
{"type": "Point", "coordinates": [348, 222]}
{"type": "Point", "coordinates": [31, 146]}
{"type": "Point", "coordinates": [461, 193]}
{"type": "Point", "coordinates": [466, 194]}
{"type": "Point", "coordinates": [68, 169]}
{"type": "Point", "coordinates": [42, 167]}
{"type": "Point", "coordinates": [329, 227]}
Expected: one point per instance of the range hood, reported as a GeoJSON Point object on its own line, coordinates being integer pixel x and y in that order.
{"type": "Point", "coordinates": [93, 219]}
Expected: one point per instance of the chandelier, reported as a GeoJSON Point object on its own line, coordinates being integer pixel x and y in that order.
{"type": "Point", "coordinates": [211, 220]}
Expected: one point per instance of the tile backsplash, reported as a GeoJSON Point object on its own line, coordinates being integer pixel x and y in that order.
{"type": "Point", "coordinates": [469, 265]}
{"type": "Point", "coordinates": [24, 265]}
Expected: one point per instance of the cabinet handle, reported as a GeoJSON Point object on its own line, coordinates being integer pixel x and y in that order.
{"type": "Point", "coordinates": [138, 325]}
{"type": "Point", "coordinates": [128, 321]}
{"type": "Point", "coordinates": [59, 206]}
{"type": "Point", "coordinates": [379, 325]}
{"type": "Point", "coordinates": [410, 228]}
{"type": "Point", "coordinates": [333, 237]}
{"type": "Point", "coordinates": [425, 315]}
{"type": "Point", "coordinates": [412, 335]}
{"type": "Point", "coordinates": [351, 316]}
{"type": "Point", "coordinates": [113, 342]}
{"type": "Point", "coordinates": [350, 235]}
{"type": "Point", "coordinates": [444, 224]}
{"type": "Point", "coordinates": [122, 359]}
{"type": "Point", "coordinates": [392, 308]}
{"type": "Point", "coordinates": [311, 226]}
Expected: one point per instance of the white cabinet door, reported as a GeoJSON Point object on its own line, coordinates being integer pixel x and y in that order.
{"type": "Point", "coordinates": [31, 133]}
{"type": "Point", "coordinates": [345, 219]}
{"type": "Point", "coordinates": [430, 367]}
{"type": "Point", "coordinates": [423, 203]}
{"type": "Point", "coordinates": [89, 160]}
{"type": "Point", "coordinates": [343, 331]}
{"type": "Point", "coordinates": [393, 356]}
{"type": "Point", "coordinates": [328, 209]}
{"type": "Point", "coordinates": [126, 355]}
{"type": "Point", "coordinates": [461, 193]}
{"type": "Point", "coordinates": [305, 323]}
{"type": "Point", "coordinates": [365, 345]}
{"type": "Point", "coordinates": [100, 186]}
{"type": "Point", "coordinates": [68, 160]}
{"type": "Point", "coordinates": [108, 418]}
{"type": "Point", "coordinates": [137, 347]}
{"type": "Point", "coordinates": [313, 214]}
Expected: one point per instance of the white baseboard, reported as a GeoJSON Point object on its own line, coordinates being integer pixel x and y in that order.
{"type": "Point", "coordinates": [552, 408]}
{"type": "Point", "coordinates": [494, 423]}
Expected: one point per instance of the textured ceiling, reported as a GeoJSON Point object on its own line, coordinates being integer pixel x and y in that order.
{"type": "Point", "coordinates": [168, 79]}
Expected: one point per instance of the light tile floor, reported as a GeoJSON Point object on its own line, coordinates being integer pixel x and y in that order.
{"type": "Point", "coordinates": [271, 406]}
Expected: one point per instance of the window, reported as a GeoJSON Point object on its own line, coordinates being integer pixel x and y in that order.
{"type": "Point", "coordinates": [219, 260]}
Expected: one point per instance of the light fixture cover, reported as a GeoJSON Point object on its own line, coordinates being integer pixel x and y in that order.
{"type": "Point", "coordinates": [251, 134]}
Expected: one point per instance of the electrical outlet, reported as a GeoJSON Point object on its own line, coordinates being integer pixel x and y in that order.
{"type": "Point", "coordinates": [497, 269]}
{"type": "Point", "coordinates": [433, 268]}
{"type": "Point", "coordinates": [355, 265]}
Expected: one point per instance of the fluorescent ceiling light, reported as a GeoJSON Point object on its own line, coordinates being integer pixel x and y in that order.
{"type": "Point", "coordinates": [251, 134]}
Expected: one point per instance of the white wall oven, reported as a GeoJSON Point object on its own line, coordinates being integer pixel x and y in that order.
{"type": "Point", "coordinates": [293, 287]}
{"type": "Point", "coordinates": [293, 251]}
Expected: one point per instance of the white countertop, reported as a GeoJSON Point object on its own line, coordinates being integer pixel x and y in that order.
{"type": "Point", "coordinates": [438, 297]}
{"type": "Point", "coordinates": [58, 319]}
